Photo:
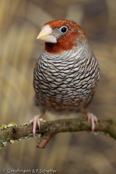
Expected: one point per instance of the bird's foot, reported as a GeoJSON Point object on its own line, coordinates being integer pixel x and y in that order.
{"type": "Point", "coordinates": [93, 120]}
{"type": "Point", "coordinates": [36, 122]}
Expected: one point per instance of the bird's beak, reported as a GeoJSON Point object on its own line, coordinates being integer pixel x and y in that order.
{"type": "Point", "coordinates": [46, 34]}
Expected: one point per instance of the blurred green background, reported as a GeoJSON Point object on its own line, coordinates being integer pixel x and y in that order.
{"type": "Point", "coordinates": [20, 23]}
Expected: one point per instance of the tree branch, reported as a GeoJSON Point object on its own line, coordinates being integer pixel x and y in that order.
{"type": "Point", "coordinates": [11, 132]}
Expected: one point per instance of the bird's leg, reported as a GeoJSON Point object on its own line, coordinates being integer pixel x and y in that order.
{"type": "Point", "coordinates": [36, 121]}
{"type": "Point", "coordinates": [91, 117]}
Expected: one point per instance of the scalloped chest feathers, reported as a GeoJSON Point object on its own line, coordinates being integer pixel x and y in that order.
{"type": "Point", "coordinates": [66, 82]}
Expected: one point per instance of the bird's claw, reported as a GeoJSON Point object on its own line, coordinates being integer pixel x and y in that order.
{"type": "Point", "coordinates": [36, 122]}
{"type": "Point", "coordinates": [93, 120]}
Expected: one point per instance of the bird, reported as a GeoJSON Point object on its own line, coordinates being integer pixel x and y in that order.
{"type": "Point", "coordinates": [67, 73]}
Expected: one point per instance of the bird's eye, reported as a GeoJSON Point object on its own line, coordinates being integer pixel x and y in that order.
{"type": "Point", "coordinates": [63, 29]}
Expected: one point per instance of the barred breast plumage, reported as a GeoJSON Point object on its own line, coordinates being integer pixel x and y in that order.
{"type": "Point", "coordinates": [68, 82]}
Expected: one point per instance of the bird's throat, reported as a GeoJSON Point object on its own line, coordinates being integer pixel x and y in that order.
{"type": "Point", "coordinates": [58, 48]}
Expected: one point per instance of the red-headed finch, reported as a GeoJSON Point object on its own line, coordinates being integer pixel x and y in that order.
{"type": "Point", "coordinates": [67, 73]}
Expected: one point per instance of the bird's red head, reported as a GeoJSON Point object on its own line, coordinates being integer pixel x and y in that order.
{"type": "Point", "coordinates": [61, 35]}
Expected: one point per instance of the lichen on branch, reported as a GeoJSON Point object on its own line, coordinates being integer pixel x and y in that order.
{"type": "Point", "coordinates": [12, 132]}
